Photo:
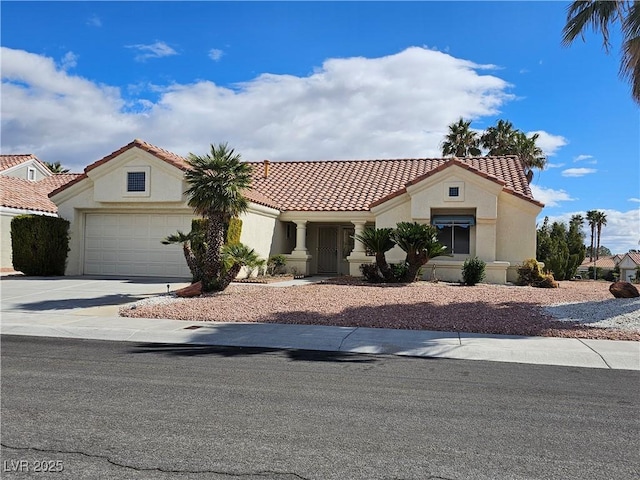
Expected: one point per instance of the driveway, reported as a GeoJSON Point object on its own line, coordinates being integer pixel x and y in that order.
{"type": "Point", "coordinates": [83, 295]}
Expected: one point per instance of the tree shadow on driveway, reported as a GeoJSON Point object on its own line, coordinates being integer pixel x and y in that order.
{"type": "Point", "coordinates": [73, 303]}
{"type": "Point", "coordinates": [192, 350]}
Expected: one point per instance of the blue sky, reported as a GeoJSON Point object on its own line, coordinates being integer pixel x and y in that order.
{"type": "Point", "coordinates": [326, 80]}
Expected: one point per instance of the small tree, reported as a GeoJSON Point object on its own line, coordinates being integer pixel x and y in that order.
{"type": "Point", "coordinates": [421, 244]}
{"type": "Point", "coordinates": [379, 241]}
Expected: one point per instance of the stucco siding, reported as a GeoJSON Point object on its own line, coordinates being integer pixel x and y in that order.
{"type": "Point", "coordinates": [5, 229]}
{"type": "Point", "coordinates": [258, 232]}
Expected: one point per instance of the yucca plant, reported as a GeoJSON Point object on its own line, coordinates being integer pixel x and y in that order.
{"type": "Point", "coordinates": [234, 257]}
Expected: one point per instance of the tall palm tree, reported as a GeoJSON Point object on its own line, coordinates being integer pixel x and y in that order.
{"type": "Point", "coordinates": [461, 141]}
{"type": "Point", "coordinates": [216, 181]}
{"type": "Point", "coordinates": [601, 220]}
{"type": "Point", "coordinates": [56, 167]}
{"type": "Point", "coordinates": [599, 16]}
{"type": "Point", "coordinates": [500, 139]}
{"type": "Point", "coordinates": [592, 220]}
{"type": "Point", "coordinates": [531, 155]}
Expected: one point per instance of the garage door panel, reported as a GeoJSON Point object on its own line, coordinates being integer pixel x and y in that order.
{"type": "Point", "coordinates": [130, 245]}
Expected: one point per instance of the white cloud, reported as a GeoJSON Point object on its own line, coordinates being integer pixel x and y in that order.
{"type": "Point", "coordinates": [394, 106]}
{"type": "Point", "coordinates": [578, 172]}
{"type": "Point", "coordinates": [555, 165]}
{"type": "Point", "coordinates": [94, 21]}
{"type": "Point", "coordinates": [620, 234]}
{"type": "Point", "coordinates": [548, 142]}
{"type": "Point", "coordinates": [215, 54]}
{"type": "Point", "coordinates": [549, 196]}
{"type": "Point", "coordinates": [70, 60]}
{"type": "Point", "coordinates": [154, 50]}
{"type": "Point", "coordinates": [636, 200]}
{"type": "Point", "coordinates": [581, 158]}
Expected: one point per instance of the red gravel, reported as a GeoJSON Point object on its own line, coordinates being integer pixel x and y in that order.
{"type": "Point", "coordinates": [496, 309]}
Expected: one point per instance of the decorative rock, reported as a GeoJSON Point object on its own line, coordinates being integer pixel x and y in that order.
{"type": "Point", "coordinates": [192, 290]}
{"type": "Point", "coordinates": [623, 290]}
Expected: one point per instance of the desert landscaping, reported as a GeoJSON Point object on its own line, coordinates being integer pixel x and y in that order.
{"type": "Point", "coordinates": [577, 309]}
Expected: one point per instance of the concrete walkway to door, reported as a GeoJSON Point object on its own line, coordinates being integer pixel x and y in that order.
{"type": "Point", "coordinates": [87, 307]}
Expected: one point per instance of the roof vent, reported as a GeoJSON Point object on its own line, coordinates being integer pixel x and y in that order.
{"type": "Point", "coordinates": [266, 168]}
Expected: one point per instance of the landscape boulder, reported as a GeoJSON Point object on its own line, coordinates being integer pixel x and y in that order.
{"type": "Point", "coordinates": [192, 290]}
{"type": "Point", "coordinates": [623, 290]}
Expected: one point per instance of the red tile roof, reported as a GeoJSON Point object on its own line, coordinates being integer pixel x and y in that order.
{"type": "Point", "coordinates": [635, 257]}
{"type": "Point", "coordinates": [23, 194]}
{"type": "Point", "coordinates": [608, 262]}
{"type": "Point", "coordinates": [356, 185]}
{"type": "Point", "coordinates": [345, 185]}
{"type": "Point", "coordinates": [9, 161]}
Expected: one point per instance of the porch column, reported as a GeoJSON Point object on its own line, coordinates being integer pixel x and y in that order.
{"type": "Point", "coordinates": [358, 254]}
{"type": "Point", "coordinates": [358, 247]}
{"type": "Point", "coordinates": [298, 261]}
{"type": "Point", "coordinates": [301, 237]}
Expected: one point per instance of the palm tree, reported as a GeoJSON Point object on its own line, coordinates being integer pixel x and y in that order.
{"type": "Point", "coordinates": [235, 256]}
{"type": "Point", "coordinates": [591, 218]}
{"type": "Point", "coordinates": [601, 220]}
{"type": "Point", "coordinates": [599, 15]}
{"type": "Point", "coordinates": [56, 167]}
{"type": "Point", "coordinates": [461, 141]}
{"type": "Point", "coordinates": [186, 240]}
{"type": "Point", "coordinates": [379, 241]}
{"type": "Point", "coordinates": [421, 243]}
{"type": "Point", "coordinates": [216, 181]}
{"type": "Point", "coordinates": [499, 140]}
{"type": "Point", "coordinates": [529, 153]}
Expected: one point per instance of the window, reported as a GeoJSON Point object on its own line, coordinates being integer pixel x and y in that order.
{"type": "Point", "coordinates": [31, 174]}
{"type": "Point", "coordinates": [136, 182]}
{"type": "Point", "coordinates": [454, 232]}
{"type": "Point", "coordinates": [454, 191]}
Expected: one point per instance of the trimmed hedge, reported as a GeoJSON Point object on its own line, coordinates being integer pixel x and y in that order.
{"type": "Point", "coordinates": [234, 230]}
{"type": "Point", "coordinates": [39, 244]}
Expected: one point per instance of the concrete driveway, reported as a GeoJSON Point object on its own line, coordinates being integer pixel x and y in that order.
{"type": "Point", "coordinates": [84, 295]}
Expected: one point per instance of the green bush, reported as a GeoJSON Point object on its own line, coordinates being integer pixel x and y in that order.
{"type": "Point", "coordinates": [39, 244]}
{"type": "Point", "coordinates": [473, 271]}
{"type": "Point", "coordinates": [399, 271]}
{"type": "Point", "coordinates": [275, 264]}
{"type": "Point", "coordinates": [371, 273]}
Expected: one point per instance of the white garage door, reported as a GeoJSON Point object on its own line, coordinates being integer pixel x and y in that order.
{"type": "Point", "coordinates": [129, 244]}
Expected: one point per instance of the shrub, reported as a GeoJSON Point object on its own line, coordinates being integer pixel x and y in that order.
{"type": "Point", "coordinates": [473, 271]}
{"type": "Point", "coordinates": [234, 230]}
{"type": "Point", "coordinates": [547, 281]}
{"type": "Point", "coordinates": [399, 271]}
{"type": "Point", "coordinates": [370, 272]}
{"type": "Point", "coordinates": [276, 264]}
{"type": "Point", "coordinates": [529, 272]}
{"type": "Point", "coordinates": [40, 244]}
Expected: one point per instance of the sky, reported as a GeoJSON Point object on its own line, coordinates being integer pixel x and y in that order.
{"type": "Point", "coordinates": [324, 81]}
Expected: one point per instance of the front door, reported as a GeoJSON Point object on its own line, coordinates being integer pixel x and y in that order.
{"type": "Point", "coordinates": [328, 250]}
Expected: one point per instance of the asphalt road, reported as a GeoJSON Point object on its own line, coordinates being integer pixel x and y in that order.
{"type": "Point", "coordinates": [90, 409]}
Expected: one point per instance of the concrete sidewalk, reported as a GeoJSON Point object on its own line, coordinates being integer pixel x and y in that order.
{"type": "Point", "coordinates": [87, 308]}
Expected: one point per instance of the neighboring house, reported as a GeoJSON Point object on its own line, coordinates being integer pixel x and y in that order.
{"type": "Point", "coordinates": [25, 184]}
{"type": "Point", "coordinates": [629, 264]}
{"type": "Point", "coordinates": [604, 264]}
{"type": "Point", "coordinates": [124, 204]}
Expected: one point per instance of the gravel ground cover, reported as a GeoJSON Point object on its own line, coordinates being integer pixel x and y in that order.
{"type": "Point", "coordinates": [583, 309]}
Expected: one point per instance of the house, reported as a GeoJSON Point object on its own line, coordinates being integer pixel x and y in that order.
{"type": "Point", "coordinates": [629, 265]}
{"type": "Point", "coordinates": [25, 184]}
{"type": "Point", "coordinates": [604, 264]}
{"type": "Point", "coordinates": [124, 204]}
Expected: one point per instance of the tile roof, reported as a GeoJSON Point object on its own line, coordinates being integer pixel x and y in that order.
{"type": "Point", "coordinates": [23, 194]}
{"type": "Point", "coordinates": [10, 161]}
{"type": "Point", "coordinates": [608, 262]}
{"type": "Point", "coordinates": [635, 257]}
{"type": "Point", "coordinates": [345, 185]}
{"type": "Point", "coordinates": [354, 185]}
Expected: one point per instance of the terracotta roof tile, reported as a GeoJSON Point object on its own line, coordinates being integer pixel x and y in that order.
{"type": "Point", "coordinates": [10, 161]}
{"type": "Point", "coordinates": [345, 185]}
{"type": "Point", "coordinates": [603, 262]}
{"type": "Point", "coordinates": [23, 194]}
{"type": "Point", "coordinates": [635, 256]}
{"type": "Point", "coordinates": [357, 184]}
